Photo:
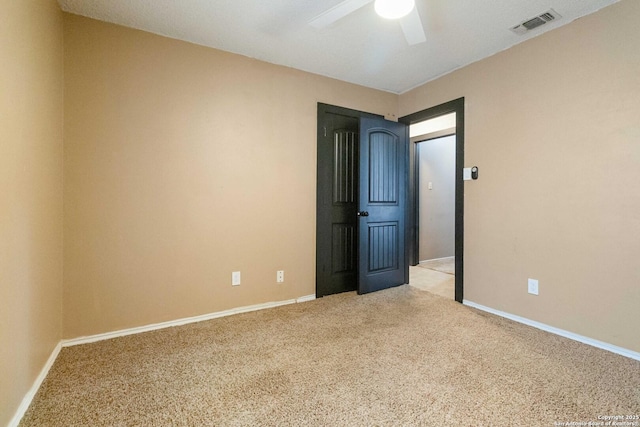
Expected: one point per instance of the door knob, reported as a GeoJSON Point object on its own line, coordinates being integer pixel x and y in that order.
{"type": "Point", "coordinates": [363, 213]}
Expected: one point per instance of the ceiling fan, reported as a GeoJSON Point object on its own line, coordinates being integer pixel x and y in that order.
{"type": "Point", "coordinates": [403, 10]}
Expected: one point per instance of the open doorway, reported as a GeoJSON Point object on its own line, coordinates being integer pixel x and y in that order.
{"type": "Point", "coordinates": [455, 107]}
{"type": "Point", "coordinates": [435, 168]}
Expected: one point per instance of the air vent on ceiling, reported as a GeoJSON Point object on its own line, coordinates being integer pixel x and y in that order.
{"type": "Point", "coordinates": [531, 23]}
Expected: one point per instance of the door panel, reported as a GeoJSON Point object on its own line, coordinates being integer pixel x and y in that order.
{"type": "Point", "coordinates": [383, 246]}
{"type": "Point", "coordinates": [337, 203]}
{"type": "Point", "coordinates": [383, 177]}
{"type": "Point", "coordinates": [345, 173]}
{"type": "Point", "coordinates": [383, 167]}
{"type": "Point", "coordinates": [344, 250]}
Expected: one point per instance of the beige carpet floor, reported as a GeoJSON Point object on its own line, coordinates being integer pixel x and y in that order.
{"type": "Point", "coordinates": [400, 357]}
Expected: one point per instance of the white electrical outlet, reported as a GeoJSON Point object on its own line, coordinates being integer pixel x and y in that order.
{"type": "Point", "coordinates": [533, 286]}
{"type": "Point", "coordinates": [280, 276]}
{"type": "Point", "coordinates": [235, 278]}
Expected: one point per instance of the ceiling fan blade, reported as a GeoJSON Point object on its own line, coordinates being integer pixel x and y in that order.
{"type": "Point", "coordinates": [337, 12]}
{"type": "Point", "coordinates": [412, 28]}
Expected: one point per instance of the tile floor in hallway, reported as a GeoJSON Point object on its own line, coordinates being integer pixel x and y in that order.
{"type": "Point", "coordinates": [433, 276]}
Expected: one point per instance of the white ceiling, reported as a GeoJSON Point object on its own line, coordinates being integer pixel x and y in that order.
{"type": "Point", "coordinates": [361, 48]}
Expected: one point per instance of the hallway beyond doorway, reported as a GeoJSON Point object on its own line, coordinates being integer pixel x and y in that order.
{"type": "Point", "coordinates": [435, 276]}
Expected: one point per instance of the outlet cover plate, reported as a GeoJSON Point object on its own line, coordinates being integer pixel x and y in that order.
{"type": "Point", "coordinates": [280, 276]}
{"type": "Point", "coordinates": [533, 286]}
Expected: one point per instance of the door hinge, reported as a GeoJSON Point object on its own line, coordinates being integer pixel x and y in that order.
{"type": "Point", "coordinates": [325, 131]}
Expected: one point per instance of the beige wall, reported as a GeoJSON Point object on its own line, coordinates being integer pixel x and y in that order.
{"type": "Point", "coordinates": [31, 102]}
{"type": "Point", "coordinates": [183, 164]}
{"type": "Point", "coordinates": [553, 124]}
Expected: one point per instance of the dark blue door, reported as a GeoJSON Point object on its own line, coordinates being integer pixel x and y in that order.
{"type": "Point", "coordinates": [382, 211]}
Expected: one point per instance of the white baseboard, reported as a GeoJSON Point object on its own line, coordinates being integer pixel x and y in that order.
{"type": "Point", "coordinates": [26, 400]}
{"type": "Point", "coordinates": [179, 322]}
{"type": "Point", "coordinates": [306, 298]}
{"type": "Point", "coordinates": [585, 340]}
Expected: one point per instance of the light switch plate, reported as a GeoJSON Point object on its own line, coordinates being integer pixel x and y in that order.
{"type": "Point", "coordinates": [235, 278]}
{"type": "Point", "coordinates": [466, 174]}
{"type": "Point", "coordinates": [533, 286]}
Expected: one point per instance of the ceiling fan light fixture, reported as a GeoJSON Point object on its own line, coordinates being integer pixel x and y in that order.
{"type": "Point", "coordinates": [394, 9]}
